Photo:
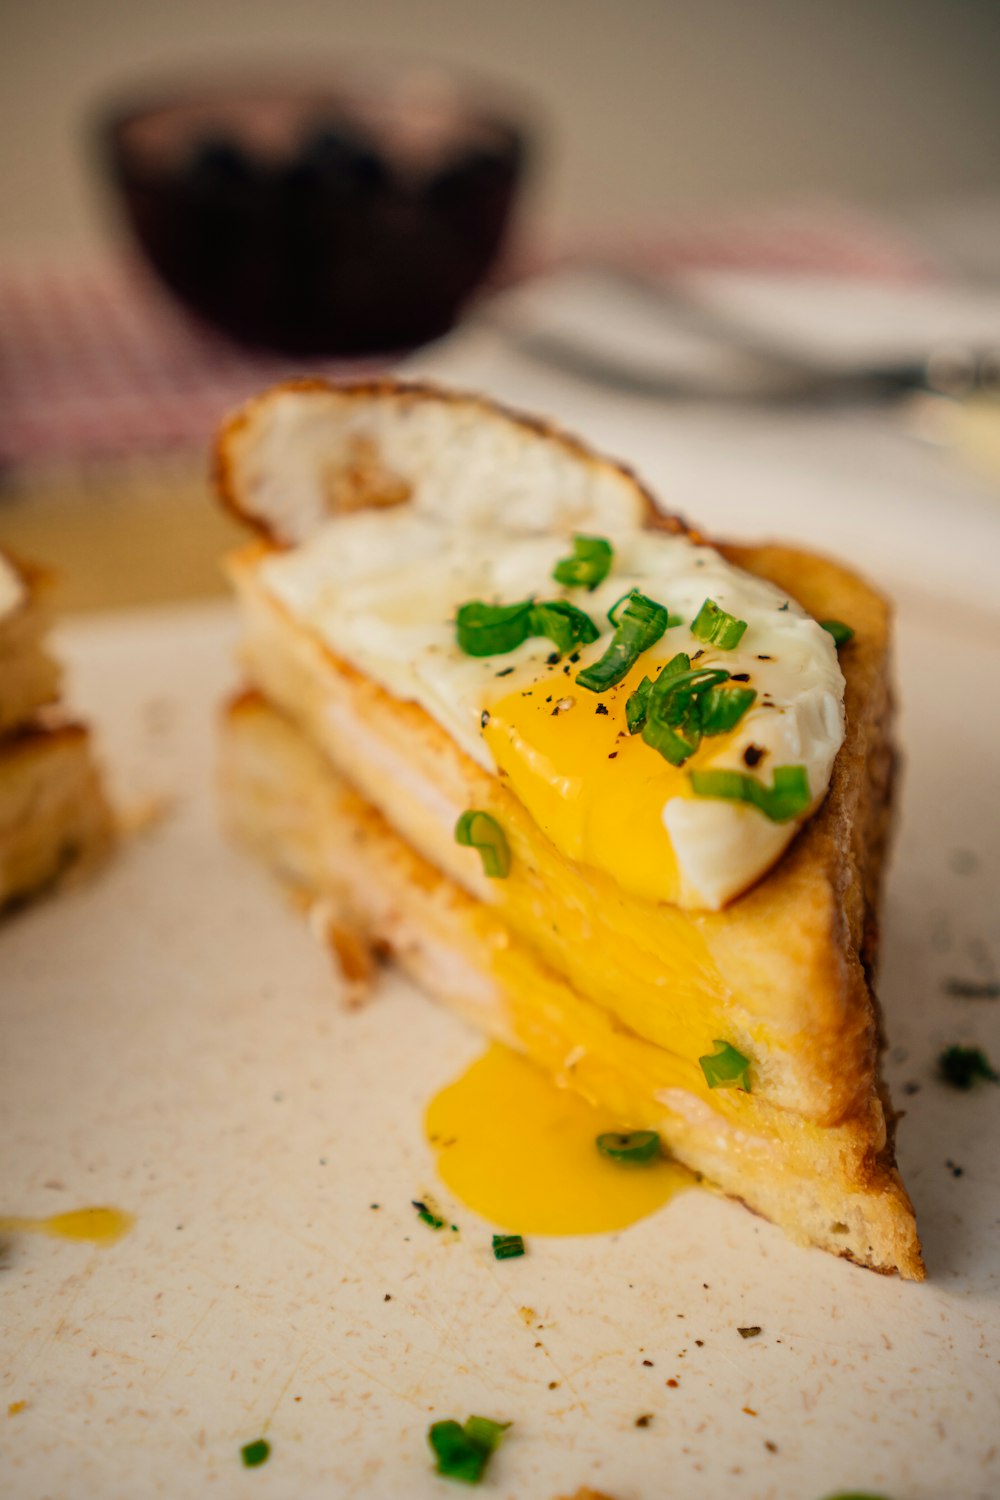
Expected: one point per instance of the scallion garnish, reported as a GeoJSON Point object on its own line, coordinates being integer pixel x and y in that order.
{"type": "Point", "coordinates": [507, 1246]}
{"type": "Point", "coordinates": [725, 1068]}
{"type": "Point", "coordinates": [673, 708]}
{"type": "Point", "coordinates": [563, 624]}
{"type": "Point", "coordinates": [256, 1453]}
{"type": "Point", "coordinates": [856, 1495]}
{"type": "Point", "coordinates": [462, 1452]}
{"type": "Point", "coordinates": [426, 1215]}
{"type": "Point", "coordinates": [620, 603]}
{"type": "Point", "coordinates": [633, 1147]}
{"type": "Point", "coordinates": [841, 633]}
{"type": "Point", "coordinates": [478, 830]}
{"type": "Point", "coordinates": [589, 565]}
{"type": "Point", "coordinates": [635, 706]}
{"type": "Point", "coordinates": [639, 623]}
{"type": "Point", "coordinates": [717, 628]}
{"type": "Point", "coordinates": [492, 629]}
{"type": "Point", "coordinates": [785, 799]}
{"type": "Point", "coordinates": [723, 706]}
{"type": "Point", "coordinates": [675, 742]}
{"type": "Point", "coordinates": [683, 704]}
{"type": "Point", "coordinates": [964, 1066]}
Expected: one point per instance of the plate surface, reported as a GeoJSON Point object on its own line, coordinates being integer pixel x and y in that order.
{"type": "Point", "coordinates": [173, 1046]}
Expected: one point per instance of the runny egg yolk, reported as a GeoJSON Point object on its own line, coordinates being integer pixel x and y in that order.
{"type": "Point", "coordinates": [595, 790]}
{"type": "Point", "coordinates": [98, 1226]}
{"type": "Point", "coordinates": [521, 1152]}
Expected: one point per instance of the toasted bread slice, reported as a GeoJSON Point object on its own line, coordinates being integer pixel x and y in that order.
{"type": "Point", "coordinates": [53, 816]}
{"type": "Point", "coordinates": [833, 1186]}
{"type": "Point", "coordinates": [52, 810]}
{"type": "Point", "coordinates": [29, 676]}
{"type": "Point", "coordinates": [785, 969]}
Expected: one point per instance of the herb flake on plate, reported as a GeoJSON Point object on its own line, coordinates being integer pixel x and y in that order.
{"type": "Point", "coordinates": [463, 1451]}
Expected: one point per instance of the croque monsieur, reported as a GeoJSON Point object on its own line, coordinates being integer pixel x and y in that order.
{"type": "Point", "coordinates": [606, 789]}
{"type": "Point", "coordinates": [52, 811]}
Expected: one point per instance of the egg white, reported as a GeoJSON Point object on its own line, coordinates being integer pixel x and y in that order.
{"type": "Point", "coordinates": [381, 590]}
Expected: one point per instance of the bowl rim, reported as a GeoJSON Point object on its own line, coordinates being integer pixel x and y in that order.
{"type": "Point", "coordinates": [503, 106]}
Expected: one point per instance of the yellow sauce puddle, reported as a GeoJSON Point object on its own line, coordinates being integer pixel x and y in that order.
{"type": "Point", "coordinates": [99, 1226]}
{"type": "Point", "coordinates": [521, 1152]}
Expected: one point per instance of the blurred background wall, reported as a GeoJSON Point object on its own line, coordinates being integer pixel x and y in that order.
{"type": "Point", "coordinates": [652, 107]}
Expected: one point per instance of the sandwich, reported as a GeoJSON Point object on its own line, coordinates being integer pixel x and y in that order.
{"type": "Point", "coordinates": [53, 815]}
{"type": "Point", "coordinates": [618, 795]}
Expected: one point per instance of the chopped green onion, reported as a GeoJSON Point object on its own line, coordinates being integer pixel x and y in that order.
{"type": "Point", "coordinates": [563, 624]}
{"type": "Point", "coordinates": [856, 1495]}
{"type": "Point", "coordinates": [717, 628]}
{"type": "Point", "coordinates": [962, 1067]}
{"type": "Point", "coordinates": [633, 1147]}
{"type": "Point", "coordinates": [463, 1452]}
{"type": "Point", "coordinates": [673, 708]}
{"type": "Point", "coordinates": [677, 666]}
{"type": "Point", "coordinates": [255, 1454]}
{"type": "Point", "coordinates": [492, 629]}
{"type": "Point", "coordinates": [786, 799]}
{"type": "Point", "coordinates": [485, 1431]}
{"type": "Point", "coordinates": [425, 1215]}
{"type": "Point", "coordinates": [507, 1246]}
{"type": "Point", "coordinates": [725, 1068]}
{"type": "Point", "coordinates": [638, 625]}
{"type": "Point", "coordinates": [841, 633]}
{"type": "Point", "coordinates": [589, 565]}
{"type": "Point", "coordinates": [723, 706]}
{"type": "Point", "coordinates": [478, 830]}
{"type": "Point", "coordinates": [676, 743]}
{"type": "Point", "coordinates": [635, 706]}
{"type": "Point", "coordinates": [677, 680]}
{"type": "Point", "coordinates": [616, 608]}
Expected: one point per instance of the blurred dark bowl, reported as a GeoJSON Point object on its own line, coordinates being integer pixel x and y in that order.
{"type": "Point", "coordinates": [350, 216]}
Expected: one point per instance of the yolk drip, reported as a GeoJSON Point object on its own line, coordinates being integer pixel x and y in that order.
{"type": "Point", "coordinates": [597, 791]}
{"type": "Point", "coordinates": [99, 1226]}
{"type": "Point", "coordinates": [521, 1152]}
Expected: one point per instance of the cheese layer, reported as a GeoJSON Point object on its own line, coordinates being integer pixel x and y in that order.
{"type": "Point", "coordinates": [381, 591]}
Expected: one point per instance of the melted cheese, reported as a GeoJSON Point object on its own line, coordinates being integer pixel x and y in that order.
{"type": "Point", "coordinates": [381, 590]}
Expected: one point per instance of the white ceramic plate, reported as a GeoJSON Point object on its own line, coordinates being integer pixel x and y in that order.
{"type": "Point", "coordinates": [172, 1045]}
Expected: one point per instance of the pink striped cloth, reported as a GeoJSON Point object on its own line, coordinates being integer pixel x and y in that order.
{"type": "Point", "coordinates": [97, 362]}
